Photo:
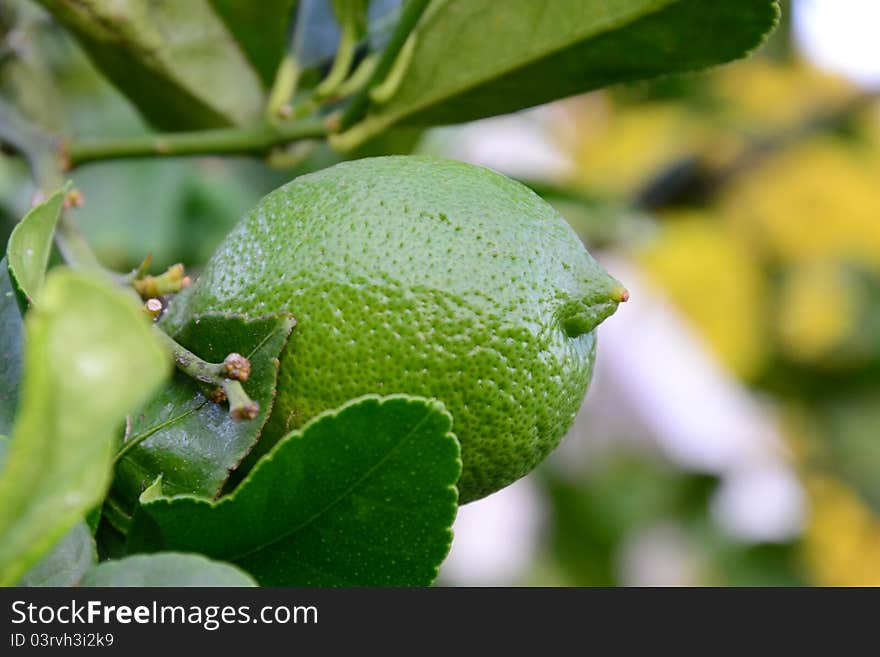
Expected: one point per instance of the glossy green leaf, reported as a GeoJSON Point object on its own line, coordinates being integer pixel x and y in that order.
{"type": "Point", "coordinates": [90, 358]}
{"type": "Point", "coordinates": [27, 253]}
{"type": "Point", "coordinates": [478, 58]}
{"type": "Point", "coordinates": [190, 441]}
{"type": "Point", "coordinates": [364, 495]}
{"type": "Point", "coordinates": [68, 561]}
{"type": "Point", "coordinates": [10, 351]}
{"type": "Point", "coordinates": [261, 29]}
{"type": "Point", "coordinates": [176, 61]}
{"type": "Point", "coordinates": [166, 569]}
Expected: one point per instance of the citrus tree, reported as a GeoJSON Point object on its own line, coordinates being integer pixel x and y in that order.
{"type": "Point", "coordinates": [372, 345]}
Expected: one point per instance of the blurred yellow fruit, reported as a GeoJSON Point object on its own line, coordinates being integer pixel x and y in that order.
{"type": "Point", "coordinates": [717, 283]}
{"type": "Point", "coordinates": [817, 201]}
{"type": "Point", "coordinates": [619, 149]}
{"type": "Point", "coordinates": [761, 95]}
{"type": "Point", "coordinates": [817, 311]}
{"type": "Point", "coordinates": [842, 540]}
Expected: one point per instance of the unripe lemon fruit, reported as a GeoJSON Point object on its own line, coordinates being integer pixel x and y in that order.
{"type": "Point", "coordinates": [422, 276]}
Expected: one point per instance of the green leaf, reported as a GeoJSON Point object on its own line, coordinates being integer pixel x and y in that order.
{"type": "Point", "coordinates": [10, 351]}
{"type": "Point", "coordinates": [190, 441]}
{"type": "Point", "coordinates": [90, 357]}
{"type": "Point", "coordinates": [27, 253]}
{"type": "Point", "coordinates": [166, 569]}
{"type": "Point", "coordinates": [68, 561]}
{"type": "Point", "coordinates": [364, 495]}
{"type": "Point", "coordinates": [176, 61]}
{"type": "Point", "coordinates": [542, 51]}
{"type": "Point", "coordinates": [261, 29]}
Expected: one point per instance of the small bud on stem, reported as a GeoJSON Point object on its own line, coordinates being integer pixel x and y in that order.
{"type": "Point", "coordinates": [237, 367]}
{"type": "Point", "coordinates": [333, 121]}
{"type": "Point", "coordinates": [153, 308]}
{"type": "Point", "coordinates": [143, 268]}
{"type": "Point", "coordinates": [74, 199]}
{"type": "Point", "coordinates": [241, 407]}
{"type": "Point", "coordinates": [173, 280]}
{"type": "Point", "coordinates": [224, 379]}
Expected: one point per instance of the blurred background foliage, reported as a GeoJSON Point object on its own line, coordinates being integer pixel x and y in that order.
{"type": "Point", "coordinates": [748, 197]}
{"type": "Point", "coordinates": [761, 184]}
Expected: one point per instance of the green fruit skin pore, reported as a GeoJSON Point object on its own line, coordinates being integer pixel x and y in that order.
{"type": "Point", "coordinates": [422, 276]}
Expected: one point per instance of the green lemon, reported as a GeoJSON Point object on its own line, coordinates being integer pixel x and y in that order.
{"type": "Point", "coordinates": [423, 276]}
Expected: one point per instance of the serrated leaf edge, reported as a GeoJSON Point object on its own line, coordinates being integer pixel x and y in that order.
{"type": "Point", "coordinates": [433, 405]}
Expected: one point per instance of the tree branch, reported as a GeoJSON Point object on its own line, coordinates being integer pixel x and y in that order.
{"type": "Point", "coordinates": [250, 140]}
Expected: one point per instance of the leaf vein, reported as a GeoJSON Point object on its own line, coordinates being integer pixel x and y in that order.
{"type": "Point", "coordinates": [348, 491]}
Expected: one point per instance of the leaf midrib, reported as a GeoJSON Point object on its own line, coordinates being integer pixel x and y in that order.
{"type": "Point", "coordinates": [518, 65]}
{"type": "Point", "coordinates": [343, 495]}
{"type": "Point", "coordinates": [151, 55]}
